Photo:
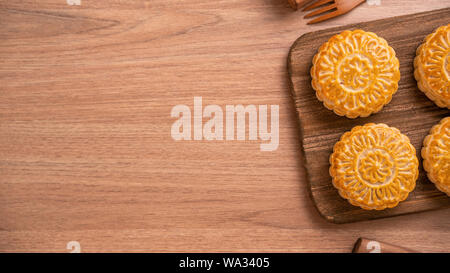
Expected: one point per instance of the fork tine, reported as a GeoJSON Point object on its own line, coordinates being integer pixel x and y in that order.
{"type": "Point", "coordinates": [325, 17]}
{"type": "Point", "coordinates": [317, 4]}
{"type": "Point", "coordinates": [320, 11]}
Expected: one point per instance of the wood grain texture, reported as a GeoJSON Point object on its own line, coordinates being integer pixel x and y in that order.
{"type": "Point", "coordinates": [85, 147]}
{"type": "Point", "coordinates": [410, 111]}
{"type": "Point", "coordinates": [364, 245]}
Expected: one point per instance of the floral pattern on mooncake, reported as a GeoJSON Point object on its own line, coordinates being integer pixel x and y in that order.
{"type": "Point", "coordinates": [432, 67]}
{"type": "Point", "coordinates": [374, 166]}
{"type": "Point", "coordinates": [355, 73]}
{"type": "Point", "coordinates": [436, 155]}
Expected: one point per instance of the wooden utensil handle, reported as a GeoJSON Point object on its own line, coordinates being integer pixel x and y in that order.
{"type": "Point", "coordinates": [364, 245]}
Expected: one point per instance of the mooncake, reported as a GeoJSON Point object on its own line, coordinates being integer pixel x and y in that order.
{"type": "Point", "coordinates": [374, 166]}
{"type": "Point", "coordinates": [355, 73]}
{"type": "Point", "coordinates": [432, 67]}
{"type": "Point", "coordinates": [436, 155]}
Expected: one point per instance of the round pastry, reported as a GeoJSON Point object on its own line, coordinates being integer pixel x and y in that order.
{"type": "Point", "coordinates": [374, 166]}
{"type": "Point", "coordinates": [436, 155]}
{"type": "Point", "coordinates": [432, 66]}
{"type": "Point", "coordinates": [355, 73]}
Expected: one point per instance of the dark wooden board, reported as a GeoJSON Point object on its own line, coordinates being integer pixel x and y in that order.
{"type": "Point", "coordinates": [410, 111]}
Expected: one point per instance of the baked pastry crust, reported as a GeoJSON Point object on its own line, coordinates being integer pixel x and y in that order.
{"type": "Point", "coordinates": [436, 155]}
{"type": "Point", "coordinates": [355, 73]}
{"type": "Point", "coordinates": [432, 66]}
{"type": "Point", "coordinates": [374, 166]}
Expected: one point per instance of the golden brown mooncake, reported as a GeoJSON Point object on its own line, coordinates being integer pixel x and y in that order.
{"type": "Point", "coordinates": [374, 166]}
{"type": "Point", "coordinates": [432, 66]}
{"type": "Point", "coordinates": [436, 155]}
{"type": "Point", "coordinates": [355, 73]}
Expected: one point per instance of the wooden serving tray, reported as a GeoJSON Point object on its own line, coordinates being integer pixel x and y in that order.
{"type": "Point", "coordinates": [410, 111]}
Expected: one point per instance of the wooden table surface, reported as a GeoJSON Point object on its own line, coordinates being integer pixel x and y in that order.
{"type": "Point", "coordinates": [86, 152]}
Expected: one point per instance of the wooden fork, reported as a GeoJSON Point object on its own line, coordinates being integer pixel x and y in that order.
{"type": "Point", "coordinates": [334, 8]}
{"type": "Point", "coordinates": [296, 4]}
